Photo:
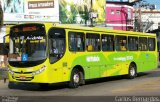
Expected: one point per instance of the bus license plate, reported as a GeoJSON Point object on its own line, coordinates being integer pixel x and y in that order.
{"type": "Point", "coordinates": [22, 77]}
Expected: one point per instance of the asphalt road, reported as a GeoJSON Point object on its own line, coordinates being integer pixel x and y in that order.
{"type": "Point", "coordinates": [145, 84]}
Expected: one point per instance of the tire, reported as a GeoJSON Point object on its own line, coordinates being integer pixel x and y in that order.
{"type": "Point", "coordinates": [82, 80]}
{"type": "Point", "coordinates": [132, 72]}
{"type": "Point", "coordinates": [76, 79]}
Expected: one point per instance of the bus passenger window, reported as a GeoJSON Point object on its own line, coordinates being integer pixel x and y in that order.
{"type": "Point", "coordinates": [143, 46]}
{"type": "Point", "coordinates": [132, 43]}
{"type": "Point", "coordinates": [107, 42]}
{"type": "Point", "coordinates": [121, 43]}
{"type": "Point", "coordinates": [151, 44]}
{"type": "Point", "coordinates": [76, 41]}
{"type": "Point", "coordinates": [92, 42]}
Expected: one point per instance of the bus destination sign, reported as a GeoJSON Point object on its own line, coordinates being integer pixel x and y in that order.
{"type": "Point", "coordinates": [25, 29]}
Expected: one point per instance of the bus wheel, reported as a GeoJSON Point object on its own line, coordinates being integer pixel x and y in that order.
{"type": "Point", "coordinates": [132, 72]}
{"type": "Point", "coordinates": [82, 81]}
{"type": "Point", "coordinates": [76, 77]}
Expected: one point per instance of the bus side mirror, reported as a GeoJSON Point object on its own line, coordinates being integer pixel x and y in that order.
{"type": "Point", "coordinates": [6, 42]}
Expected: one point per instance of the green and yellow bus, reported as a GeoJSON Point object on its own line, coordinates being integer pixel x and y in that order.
{"type": "Point", "coordinates": [48, 53]}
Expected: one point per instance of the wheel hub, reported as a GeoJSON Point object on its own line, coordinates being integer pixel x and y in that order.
{"type": "Point", "coordinates": [76, 78]}
{"type": "Point", "coordinates": [132, 72]}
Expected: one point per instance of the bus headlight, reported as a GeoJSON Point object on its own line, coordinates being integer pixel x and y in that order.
{"type": "Point", "coordinates": [39, 71]}
{"type": "Point", "coordinates": [11, 72]}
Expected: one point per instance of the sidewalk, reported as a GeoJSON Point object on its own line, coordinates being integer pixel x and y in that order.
{"type": "Point", "coordinates": [3, 83]}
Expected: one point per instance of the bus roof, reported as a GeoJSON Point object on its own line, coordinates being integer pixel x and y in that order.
{"type": "Point", "coordinates": [100, 29]}
{"type": "Point", "coordinates": [86, 28]}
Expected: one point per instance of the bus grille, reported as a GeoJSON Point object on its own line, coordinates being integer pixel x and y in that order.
{"type": "Point", "coordinates": [23, 72]}
{"type": "Point", "coordinates": [26, 79]}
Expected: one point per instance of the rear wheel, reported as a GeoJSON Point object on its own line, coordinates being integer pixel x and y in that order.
{"type": "Point", "coordinates": [76, 79]}
{"type": "Point", "coordinates": [132, 72]}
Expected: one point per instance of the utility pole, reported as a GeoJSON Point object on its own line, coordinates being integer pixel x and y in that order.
{"type": "Point", "coordinates": [92, 14]}
{"type": "Point", "coordinates": [140, 18]}
{"type": "Point", "coordinates": [138, 13]}
{"type": "Point", "coordinates": [91, 10]}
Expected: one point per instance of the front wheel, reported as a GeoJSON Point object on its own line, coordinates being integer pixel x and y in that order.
{"type": "Point", "coordinates": [132, 72]}
{"type": "Point", "coordinates": [76, 78]}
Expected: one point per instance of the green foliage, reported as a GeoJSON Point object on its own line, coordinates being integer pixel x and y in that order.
{"type": "Point", "coordinates": [78, 11]}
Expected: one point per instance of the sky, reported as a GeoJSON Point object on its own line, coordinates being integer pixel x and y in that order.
{"type": "Point", "coordinates": [156, 2]}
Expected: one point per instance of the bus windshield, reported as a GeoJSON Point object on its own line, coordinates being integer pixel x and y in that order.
{"type": "Point", "coordinates": [27, 48]}
{"type": "Point", "coordinates": [27, 44]}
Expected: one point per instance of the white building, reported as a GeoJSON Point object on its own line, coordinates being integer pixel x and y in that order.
{"type": "Point", "coordinates": [150, 20]}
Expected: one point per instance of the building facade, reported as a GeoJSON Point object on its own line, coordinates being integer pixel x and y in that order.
{"type": "Point", "coordinates": [119, 16]}
{"type": "Point", "coordinates": [150, 20]}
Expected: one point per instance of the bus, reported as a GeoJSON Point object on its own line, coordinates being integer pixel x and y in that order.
{"type": "Point", "coordinates": [47, 53]}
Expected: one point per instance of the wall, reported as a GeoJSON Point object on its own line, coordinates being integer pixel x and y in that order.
{"type": "Point", "coordinates": [118, 17]}
{"type": "Point", "coordinates": [151, 16]}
